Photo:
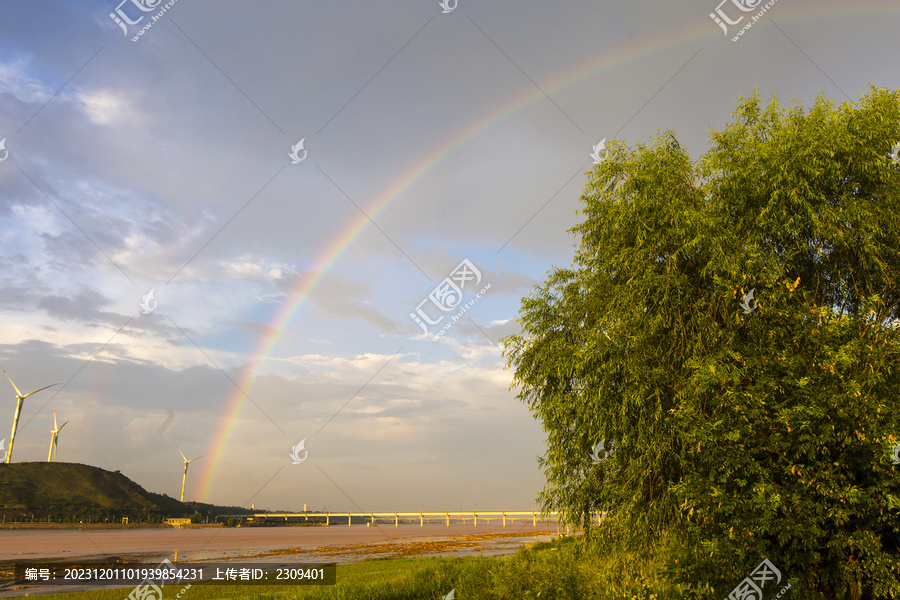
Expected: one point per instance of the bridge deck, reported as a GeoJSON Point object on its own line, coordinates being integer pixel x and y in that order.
{"type": "Point", "coordinates": [486, 515]}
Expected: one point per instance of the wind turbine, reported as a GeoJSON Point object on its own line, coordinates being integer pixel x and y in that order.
{"type": "Point", "coordinates": [54, 436]}
{"type": "Point", "coordinates": [19, 398]}
{"type": "Point", "coordinates": [186, 463]}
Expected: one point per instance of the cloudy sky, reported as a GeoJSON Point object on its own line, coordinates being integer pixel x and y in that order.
{"type": "Point", "coordinates": [146, 155]}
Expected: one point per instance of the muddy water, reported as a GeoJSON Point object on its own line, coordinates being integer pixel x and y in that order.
{"type": "Point", "coordinates": [224, 543]}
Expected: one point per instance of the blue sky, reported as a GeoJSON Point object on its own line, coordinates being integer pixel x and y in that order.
{"type": "Point", "coordinates": [131, 160]}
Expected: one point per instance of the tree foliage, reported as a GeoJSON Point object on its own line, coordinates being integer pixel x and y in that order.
{"type": "Point", "coordinates": [755, 428]}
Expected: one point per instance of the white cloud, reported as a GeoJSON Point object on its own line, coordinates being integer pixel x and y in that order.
{"type": "Point", "coordinates": [278, 298]}
{"type": "Point", "coordinates": [104, 107]}
{"type": "Point", "coordinates": [15, 82]}
{"type": "Point", "coordinates": [257, 271]}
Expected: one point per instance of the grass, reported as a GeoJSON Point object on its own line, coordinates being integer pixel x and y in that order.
{"type": "Point", "coordinates": [562, 569]}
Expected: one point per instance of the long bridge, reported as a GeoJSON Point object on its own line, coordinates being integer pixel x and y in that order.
{"type": "Point", "coordinates": [370, 517]}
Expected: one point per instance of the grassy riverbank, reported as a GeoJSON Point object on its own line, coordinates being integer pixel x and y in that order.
{"type": "Point", "coordinates": [559, 569]}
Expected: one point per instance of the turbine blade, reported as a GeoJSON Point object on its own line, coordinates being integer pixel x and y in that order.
{"type": "Point", "coordinates": [55, 426]}
{"type": "Point", "coordinates": [18, 393]}
{"type": "Point", "coordinates": [181, 453]}
{"type": "Point", "coordinates": [198, 458]}
{"type": "Point", "coordinates": [60, 427]}
{"type": "Point", "coordinates": [40, 390]}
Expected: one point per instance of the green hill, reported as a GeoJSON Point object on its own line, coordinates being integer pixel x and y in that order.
{"type": "Point", "coordinates": [75, 492]}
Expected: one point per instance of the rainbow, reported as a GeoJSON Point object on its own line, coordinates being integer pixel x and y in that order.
{"type": "Point", "coordinates": [299, 294]}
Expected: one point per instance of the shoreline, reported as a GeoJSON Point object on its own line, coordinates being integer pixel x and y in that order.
{"type": "Point", "coordinates": [226, 543]}
{"type": "Point", "coordinates": [342, 548]}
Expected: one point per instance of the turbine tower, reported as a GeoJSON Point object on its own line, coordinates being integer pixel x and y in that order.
{"type": "Point", "coordinates": [186, 463]}
{"type": "Point", "coordinates": [19, 398]}
{"type": "Point", "coordinates": [54, 437]}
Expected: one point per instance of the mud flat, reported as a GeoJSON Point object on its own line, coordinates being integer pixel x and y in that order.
{"type": "Point", "coordinates": [281, 545]}
{"type": "Point", "coordinates": [245, 542]}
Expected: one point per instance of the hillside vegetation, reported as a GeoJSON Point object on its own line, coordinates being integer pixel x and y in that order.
{"type": "Point", "coordinates": [76, 492]}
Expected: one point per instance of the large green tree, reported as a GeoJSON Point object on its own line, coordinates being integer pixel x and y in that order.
{"type": "Point", "coordinates": [748, 427]}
